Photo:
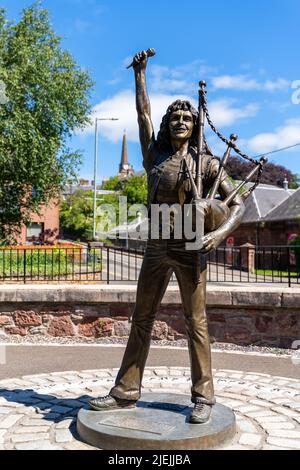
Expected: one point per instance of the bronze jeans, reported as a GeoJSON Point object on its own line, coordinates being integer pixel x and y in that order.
{"type": "Point", "coordinates": [162, 258]}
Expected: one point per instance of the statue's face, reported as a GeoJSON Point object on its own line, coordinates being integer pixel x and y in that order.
{"type": "Point", "coordinates": [181, 125]}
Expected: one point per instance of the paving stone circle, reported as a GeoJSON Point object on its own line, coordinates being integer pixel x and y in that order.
{"type": "Point", "coordinates": [39, 411]}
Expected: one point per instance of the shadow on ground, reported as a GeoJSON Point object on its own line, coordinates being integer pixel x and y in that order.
{"type": "Point", "coordinates": [50, 407]}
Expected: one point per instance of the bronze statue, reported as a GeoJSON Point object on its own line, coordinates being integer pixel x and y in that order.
{"type": "Point", "coordinates": [181, 169]}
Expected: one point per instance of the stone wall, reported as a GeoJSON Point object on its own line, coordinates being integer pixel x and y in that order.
{"type": "Point", "coordinates": [241, 315]}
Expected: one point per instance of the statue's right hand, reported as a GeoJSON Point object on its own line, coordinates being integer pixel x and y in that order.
{"type": "Point", "coordinates": [140, 60]}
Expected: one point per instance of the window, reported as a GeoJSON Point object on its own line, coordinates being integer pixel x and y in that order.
{"type": "Point", "coordinates": [34, 231]}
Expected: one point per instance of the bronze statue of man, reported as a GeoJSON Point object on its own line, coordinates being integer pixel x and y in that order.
{"type": "Point", "coordinates": [165, 160]}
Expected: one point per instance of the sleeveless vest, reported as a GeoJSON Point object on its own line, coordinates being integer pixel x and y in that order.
{"type": "Point", "coordinates": [157, 165]}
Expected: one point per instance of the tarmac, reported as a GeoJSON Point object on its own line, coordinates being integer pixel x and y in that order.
{"type": "Point", "coordinates": [19, 360]}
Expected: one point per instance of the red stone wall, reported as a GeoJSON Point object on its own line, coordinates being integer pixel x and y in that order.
{"type": "Point", "coordinates": [247, 325]}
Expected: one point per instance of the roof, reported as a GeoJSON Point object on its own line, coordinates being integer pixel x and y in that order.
{"type": "Point", "coordinates": [68, 190]}
{"type": "Point", "coordinates": [263, 200]}
{"type": "Point", "coordinates": [289, 209]}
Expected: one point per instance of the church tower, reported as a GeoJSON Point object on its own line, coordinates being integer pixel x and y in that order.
{"type": "Point", "coordinates": [125, 169]}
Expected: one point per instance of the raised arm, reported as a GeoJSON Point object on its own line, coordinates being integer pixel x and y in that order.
{"type": "Point", "coordinates": [143, 105]}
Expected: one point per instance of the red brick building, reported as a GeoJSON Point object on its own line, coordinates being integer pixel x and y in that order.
{"type": "Point", "coordinates": [47, 221]}
{"type": "Point", "coordinates": [270, 219]}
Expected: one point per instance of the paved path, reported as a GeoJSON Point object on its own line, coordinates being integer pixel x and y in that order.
{"type": "Point", "coordinates": [18, 360]}
{"type": "Point", "coordinates": [39, 411]}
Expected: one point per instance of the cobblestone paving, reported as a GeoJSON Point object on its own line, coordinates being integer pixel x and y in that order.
{"type": "Point", "coordinates": [39, 411]}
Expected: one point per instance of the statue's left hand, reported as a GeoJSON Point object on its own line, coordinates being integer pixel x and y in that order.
{"type": "Point", "coordinates": [211, 241]}
{"type": "Point", "coordinates": [140, 60]}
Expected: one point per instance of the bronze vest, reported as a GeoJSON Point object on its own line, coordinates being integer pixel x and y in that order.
{"type": "Point", "coordinates": [161, 165]}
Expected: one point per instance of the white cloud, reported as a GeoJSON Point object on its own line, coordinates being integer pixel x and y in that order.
{"type": "Point", "coordinates": [165, 79]}
{"type": "Point", "coordinates": [180, 79]}
{"type": "Point", "coordinates": [243, 82]}
{"type": "Point", "coordinates": [225, 113]}
{"type": "Point", "coordinates": [238, 82]}
{"type": "Point", "coordinates": [122, 105]}
{"type": "Point", "coordinates": [276, 85]}
{"type": "Point", "coordinates": [288, 134]}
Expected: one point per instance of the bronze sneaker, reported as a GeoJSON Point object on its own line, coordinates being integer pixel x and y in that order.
{"type": "Point", "coordinates": [108, 403]}
{"type": "Point", "coordinates": [200, 414]}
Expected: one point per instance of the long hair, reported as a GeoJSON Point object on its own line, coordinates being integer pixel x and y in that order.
{"type": "Point", "coordinates": [163, 136]}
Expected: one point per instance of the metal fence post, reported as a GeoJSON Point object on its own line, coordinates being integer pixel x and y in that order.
{"type": "Point", "coordinates": [24, 266]}
{"type": "Point", "coordinates": [289, 265]}
{"type": "Point", "coordinates": [107, 264]}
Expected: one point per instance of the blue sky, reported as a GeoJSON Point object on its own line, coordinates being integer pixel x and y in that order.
{"type": "Point", "coordinates": [246, 51]}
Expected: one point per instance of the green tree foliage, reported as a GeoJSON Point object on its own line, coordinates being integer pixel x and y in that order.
{"type": "Point", "coordinates": [272, 174]}
{"type": "Point", "coordinates": [111, 184]}
{"type": "Point", "coordinates": [76, 213]}
{"type": "Point", "coordinates": [133, 187]}
{"type": "Point", "coordinates": [294, 184]}
{"type": "Point", "coordinates": [295, 246]}
{"type": "Point", "coordinates": [48, 98]}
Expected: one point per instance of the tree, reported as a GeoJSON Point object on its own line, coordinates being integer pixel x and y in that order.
{"type": "Point", "coordinates": [273, 174]}
{"type": "Point", "coordinates": [111, 184]}
{"type": "Point", "coordinates": [76, 213]}
{"type": "Point", "coordinates": [134, 188]}
{"type": "Point", "coordinates": [48, 98]}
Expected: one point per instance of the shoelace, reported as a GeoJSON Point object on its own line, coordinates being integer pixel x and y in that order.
{"type": "Point", "coordinates": [104, 398]}
{"type": "Point", "coordinates": [199, 406]}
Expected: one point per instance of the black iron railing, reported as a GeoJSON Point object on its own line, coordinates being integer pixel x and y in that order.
{"type": "Point", "coordinates": [250, 264]}
{"type": "Point", "coordinates": [50, 264]}
{"type": "Point", "coordinates": [108, 264]}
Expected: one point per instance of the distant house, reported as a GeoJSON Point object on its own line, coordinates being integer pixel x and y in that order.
{"type": "Point", "coordinates": [88, 186]}
{"type": "Point", "coordinates": [282, 222]}
{"type": "Point", "coordinates": [45, 223]}
{"type": "Point", "coordinates": [270, 217]}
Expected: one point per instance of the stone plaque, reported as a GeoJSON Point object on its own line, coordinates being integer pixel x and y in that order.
{"type": "Point", "coordinates": [137, 424]}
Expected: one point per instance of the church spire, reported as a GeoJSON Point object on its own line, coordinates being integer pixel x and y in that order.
{"type": "Point", "coordinates": [125, 169]}
{"type": "Point", "coordinates": [124, 158]}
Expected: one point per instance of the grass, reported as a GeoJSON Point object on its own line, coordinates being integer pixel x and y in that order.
{"type": "Point", "coordinates": [275, 273]}
{"type": "Point", "coordinates": [47, 264]}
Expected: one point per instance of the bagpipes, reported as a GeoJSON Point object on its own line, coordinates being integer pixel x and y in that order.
{"type": "Point", "coordinates": [231, 145]}
{"type": "Point", "coordinates": [215, 211]}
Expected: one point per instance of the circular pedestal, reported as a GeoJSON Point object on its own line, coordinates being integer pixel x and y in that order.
{"type": "Point", "coordinates": [159, 422]}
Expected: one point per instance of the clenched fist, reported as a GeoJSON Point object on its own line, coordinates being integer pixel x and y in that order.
{"type": "Point", "coordinates": [140, 60]}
